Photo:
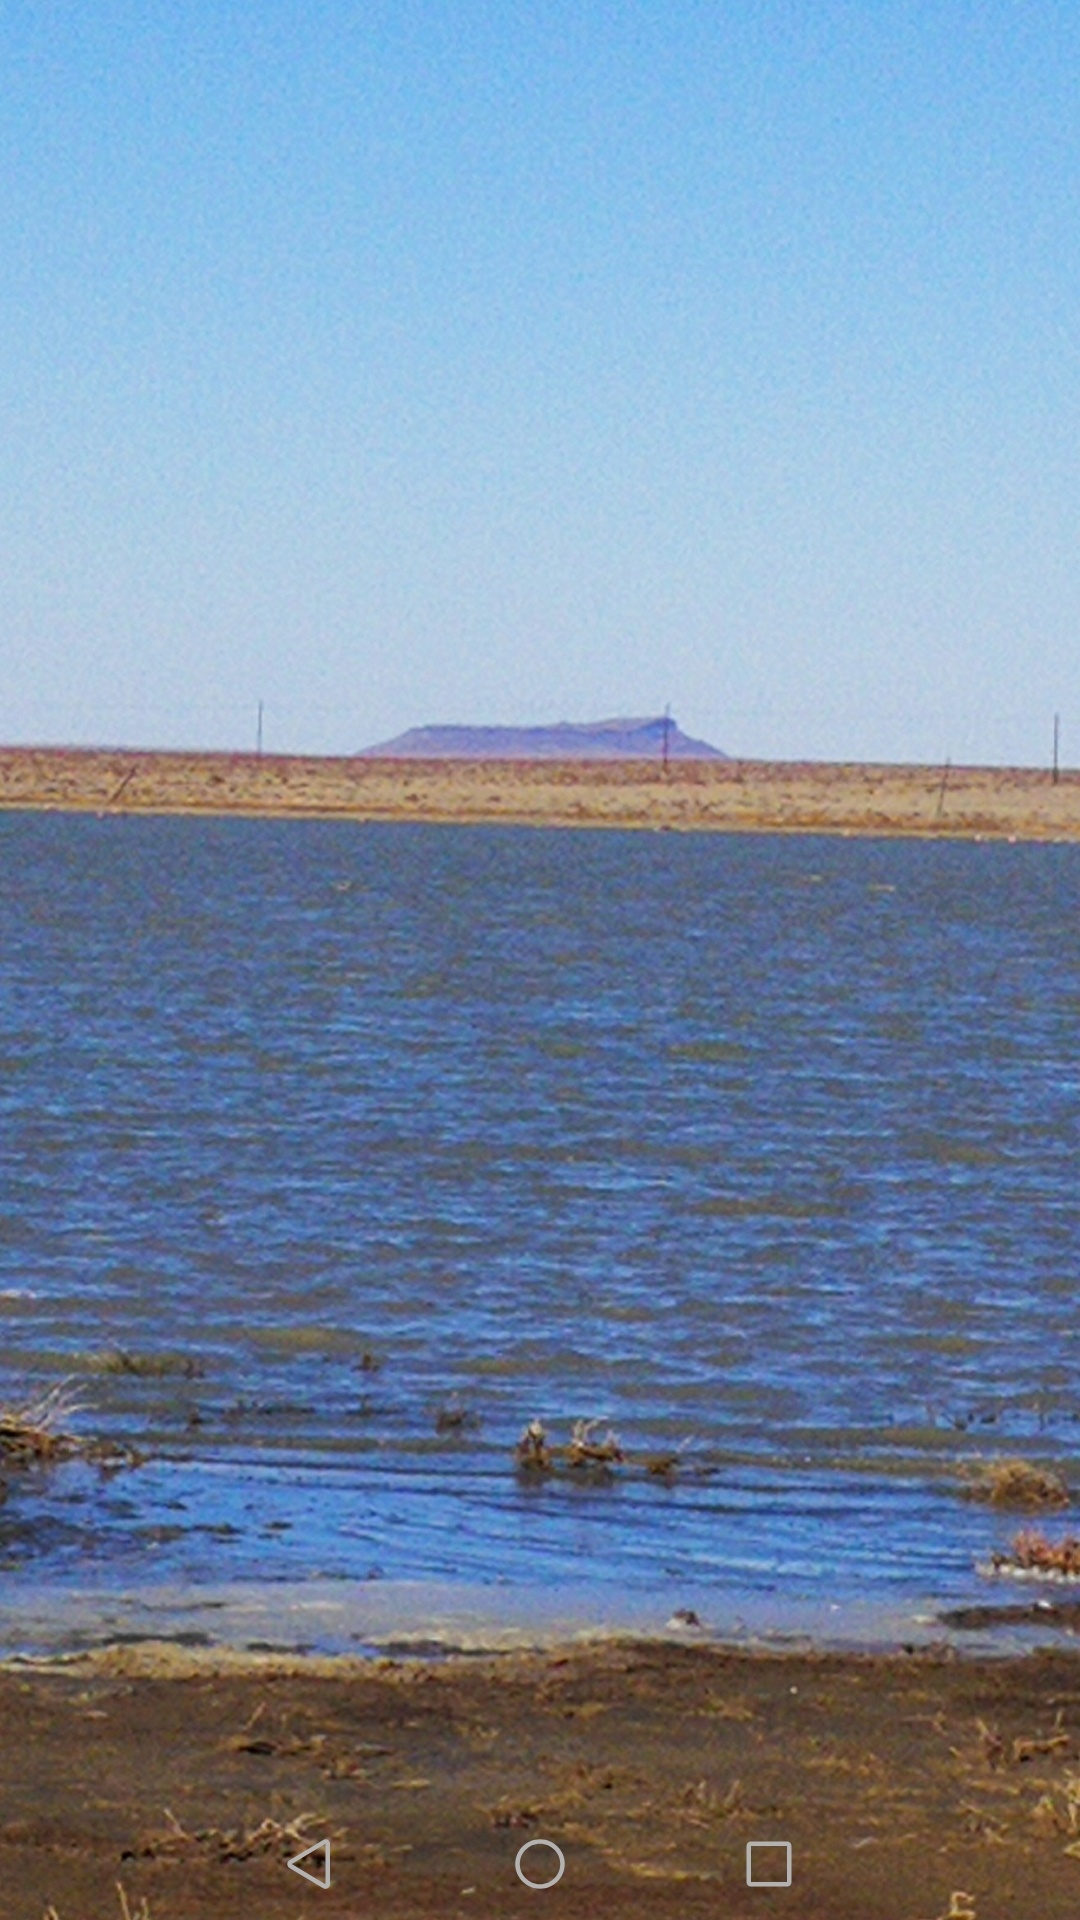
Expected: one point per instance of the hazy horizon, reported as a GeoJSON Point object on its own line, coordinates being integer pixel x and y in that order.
{"type": "Point", "coordinates": [371, 749]}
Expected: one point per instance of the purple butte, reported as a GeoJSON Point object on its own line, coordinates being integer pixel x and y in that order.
{"type": "Point", "coordinates": [595, 740]}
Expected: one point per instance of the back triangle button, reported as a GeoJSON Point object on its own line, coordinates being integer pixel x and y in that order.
{"type": "Point", "coordinates": [320, 1878]}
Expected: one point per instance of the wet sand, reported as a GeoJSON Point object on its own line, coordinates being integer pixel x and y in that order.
{"type": "Point", "coordinates": [901, 1781]}
{"type": "Point", "coordinates": [736, 795]}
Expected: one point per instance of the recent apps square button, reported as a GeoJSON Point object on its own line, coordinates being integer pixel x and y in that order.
{"type": "Point", "coordinates": [768, 1863]}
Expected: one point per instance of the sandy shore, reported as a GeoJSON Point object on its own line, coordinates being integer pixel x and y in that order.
{"type": "Point", "coordinates": [901, 1782]}
{"type": "Point", "coordinates": [720, 795]}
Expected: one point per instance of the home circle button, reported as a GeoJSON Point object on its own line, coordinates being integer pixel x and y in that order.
{"type": "Point", "coordinates": [539, 1865]}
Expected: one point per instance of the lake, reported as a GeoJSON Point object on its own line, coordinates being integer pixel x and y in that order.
{"type": "Point", "coordinates": [331, 1154]}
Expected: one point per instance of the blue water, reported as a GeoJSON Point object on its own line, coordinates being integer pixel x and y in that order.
{"type": "Point", "coordinates": [762, 1148]}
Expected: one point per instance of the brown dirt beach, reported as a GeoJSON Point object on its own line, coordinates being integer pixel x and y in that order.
{"type": "Point", "coordinates": [168, 1782]}
{"type": "Point", "coordinates": [187, 1777]}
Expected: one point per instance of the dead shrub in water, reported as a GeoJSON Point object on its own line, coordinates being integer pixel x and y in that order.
{"type": "Point", "coordinates": [589, 1453]}
{"type": "Point", "coordinates": [1032, 1553]}
{"type": "Point", "coordinates": [34, 1435]}
{"type": "Point", "coordinates": [585, 1451]}
{"type": "Point", "coordinates": [532, 1452]}
{"type": "Point", "coordinates": [1015, 1483]}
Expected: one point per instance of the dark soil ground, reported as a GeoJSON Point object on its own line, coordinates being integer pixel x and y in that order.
{"type": "Point", "coordinates": [910, 1787]}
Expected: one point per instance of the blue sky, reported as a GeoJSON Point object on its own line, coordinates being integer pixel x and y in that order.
{"type": "Point", "coordinates": [491, 362]}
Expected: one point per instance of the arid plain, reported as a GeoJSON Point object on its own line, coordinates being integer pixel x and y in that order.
{"type": "Point", "coordinates": [719, 795]}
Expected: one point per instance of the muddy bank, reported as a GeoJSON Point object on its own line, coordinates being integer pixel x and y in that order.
{"type": "Point", "coordinates": [736, 795]}
{"type": "Point", "coordinates": [902, 1782]}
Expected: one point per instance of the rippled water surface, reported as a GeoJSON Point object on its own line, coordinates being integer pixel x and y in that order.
{"type": "Point", "coordinates": [763, 1148]}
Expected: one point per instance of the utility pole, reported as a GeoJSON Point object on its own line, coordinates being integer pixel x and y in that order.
{"type": "Point", "coordinates": [667, 733]}
{"type": "Point", "coordinates": [1057, 743]}
{"type": "Point", "coordinates": [258, 730]}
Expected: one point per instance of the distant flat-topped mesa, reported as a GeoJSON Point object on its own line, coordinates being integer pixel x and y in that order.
{"type": "Point", "coordinates": [596, 740]}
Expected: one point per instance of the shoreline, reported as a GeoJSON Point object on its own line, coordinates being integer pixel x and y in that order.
{"type": "Point", "coordinates": [326, 1620]}
{"type": "Point", "coordinates": [732, 796]}
{"type": "Point", "coordinates": [190, 1779]}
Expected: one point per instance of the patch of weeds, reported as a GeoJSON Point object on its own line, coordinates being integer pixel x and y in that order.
{"type": "Point", "coordinates": [1018, 1484]}
{"type": "Point", "coordinates": [148, 1366]}
{"type": "Point", "coordinates": [453, 1419]}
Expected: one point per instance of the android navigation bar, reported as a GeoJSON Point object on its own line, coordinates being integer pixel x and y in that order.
{"type": "Point", "coordinates": [768, 1864]}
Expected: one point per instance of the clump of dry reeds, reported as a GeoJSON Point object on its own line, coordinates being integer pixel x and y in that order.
{"type": "Point", "coordinates": [127, 1911]}
{"type": "Point", "coordinates": [234, 1843]}
{"type": "Point", "coordinates": [141, 1912]}
{"type": "Point", "coordinates": [1032, 1553]}
{"type": "Point", "coordinates": [1019, 1484]}
{"type": "Point", "coordinates": [1057, 1812]}
{"type": "Point", "coordinates": [961, 1907]}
